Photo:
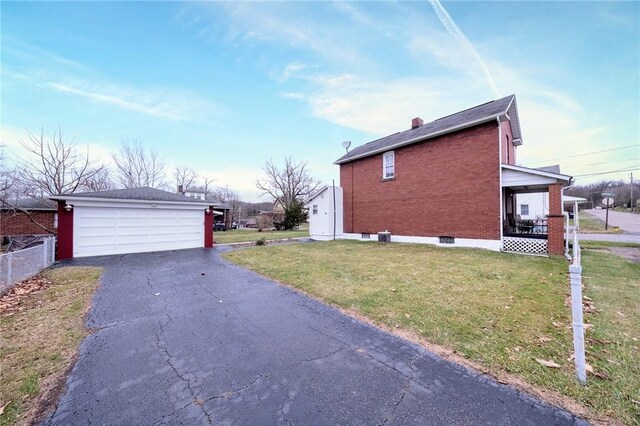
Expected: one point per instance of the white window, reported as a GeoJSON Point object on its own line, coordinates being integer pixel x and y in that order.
{"type": "Point", "coordinates": [55, 221]}
{"type": "Point", "coordinates": [315, 209]}
{"type": "Point", "coordinates": [388, 165]}
{"type": "Point", "coordinates": [524, 209]}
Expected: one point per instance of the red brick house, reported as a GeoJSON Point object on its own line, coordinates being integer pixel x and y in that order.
{"type": "Point", "coordinates": [29, 216]}
{"type": "Point", "coordinates": [452, 182]}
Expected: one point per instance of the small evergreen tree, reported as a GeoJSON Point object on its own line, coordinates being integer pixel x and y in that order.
{"type": "Point", "coordinates": [294, 215]}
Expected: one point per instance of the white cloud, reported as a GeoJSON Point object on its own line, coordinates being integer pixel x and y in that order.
{"type": "Point", "coordinates": [240, 179]}
{"type": "Point", "coordinates": [172, 105]}
{"type": "Point", "coordinates": [463, 42]}
{"type": "Point", "coordinates": [381, 107]}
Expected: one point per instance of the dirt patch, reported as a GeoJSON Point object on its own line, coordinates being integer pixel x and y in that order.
{"type": "Point", "coordinates": [51, 389]}
{"type": "Point", "coordinates": [13, 300]}
{"type": "Point", "coordinates": [630, 253]}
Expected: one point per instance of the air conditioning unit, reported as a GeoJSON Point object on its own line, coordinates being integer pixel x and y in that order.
{"type": "Point", "coordinates": [384, 237]}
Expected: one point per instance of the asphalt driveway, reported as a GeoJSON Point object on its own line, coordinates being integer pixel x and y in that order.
{"type": "Point", "coordinates": [185, 338]}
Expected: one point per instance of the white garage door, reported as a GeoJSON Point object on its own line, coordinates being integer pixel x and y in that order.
{"type": "Point", "coordinates": [118, 230]}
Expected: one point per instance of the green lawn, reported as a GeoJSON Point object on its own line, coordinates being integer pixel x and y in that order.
{"type": "Point", "coordinates": [39, 341]}
{"type": "Point", "coordinates": [242, 235]}
{"type": "Point", "coordinates": [499, 310]}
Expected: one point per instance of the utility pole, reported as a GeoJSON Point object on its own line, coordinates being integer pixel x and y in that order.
{"type": "Point", "coordinates": [632, 199]}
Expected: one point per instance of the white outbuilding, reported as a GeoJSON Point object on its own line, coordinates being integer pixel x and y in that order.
{"type": "Point", "coordinates": [325, 213]}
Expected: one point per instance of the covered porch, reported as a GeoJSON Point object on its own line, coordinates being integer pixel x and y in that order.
{"type": "Point", "coordinates": [538, 229]}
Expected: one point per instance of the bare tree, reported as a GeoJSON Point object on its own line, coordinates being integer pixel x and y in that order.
{"type": "Point", "coordinates": [228, 196]}
{"type": "Point", "coordinates": [53, 166]}
{"type": "Point", "coordinates": [287, 184]}
{"type": "Point", "coordinates": [185, 177]}
{"type": "Point", "coordinates": [136, 167]}
{"type": "Point", "coordinates": [208, 186]}
{"type": "Point", "coordinates": [100, 181]}
{"type": "Point", "coordinates": [7, 175]}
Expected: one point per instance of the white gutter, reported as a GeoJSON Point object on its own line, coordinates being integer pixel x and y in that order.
{"type": "Point", "coordinates": [538, 172]}
{"type": "Point", "coordinates": [419, 138]}
{"type": "Point", "coordinates": [70, 197]}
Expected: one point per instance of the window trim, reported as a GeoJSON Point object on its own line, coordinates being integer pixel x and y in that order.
{"type": "Point", "coordinates": [385, 155]}
{"type": "Point", "coordinates": [314, 209]}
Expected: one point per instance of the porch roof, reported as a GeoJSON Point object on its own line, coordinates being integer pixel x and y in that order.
{"type": "Point", "coordinates": [570, 199]}
{"type": "Point", "coordinates": [524, 179]}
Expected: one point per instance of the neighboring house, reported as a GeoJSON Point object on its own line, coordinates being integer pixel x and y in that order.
{"type": "Point", "coordinates": [199, 193]}
{"type": "Point", "coordinates": [29, 216]}
{"type": "Point", "coordinates": [325, 213]}
{"type": "Point", "coordinates": [131, 221]}
{"type": "Point", "coordinates": [196, 193]}
{"type": "Point", "coordinates": [452, 181]}
{"type": "Point", "coordinates": [535, 206]}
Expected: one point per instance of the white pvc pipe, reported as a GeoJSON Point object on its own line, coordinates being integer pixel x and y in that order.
{"type": "Point", "coordinates": [575, 272]}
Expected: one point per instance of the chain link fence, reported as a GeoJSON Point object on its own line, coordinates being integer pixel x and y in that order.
{"type": "Point", "coordinates": [22, 264]}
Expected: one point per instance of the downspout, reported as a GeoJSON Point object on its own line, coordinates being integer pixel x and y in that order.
{"type": "Point", "coordinates": [500, 181]}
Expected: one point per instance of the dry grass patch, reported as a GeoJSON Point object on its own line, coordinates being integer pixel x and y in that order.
{"type": "Point", "coordinates": [244, 235]}
{"type": "Point", "coordinates": [593, 225]}
{"type": "Point", "coordinates": [501, 311]}
{"type": "Point", "coordinates": [40, 338]}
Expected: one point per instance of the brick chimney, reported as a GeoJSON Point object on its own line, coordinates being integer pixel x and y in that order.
{"type": "Point", "coordinates": [180, 190]}
{"type": "Point", "coordinates": [416, 122]}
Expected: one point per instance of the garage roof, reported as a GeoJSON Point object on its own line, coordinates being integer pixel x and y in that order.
{"type": "Point", "coordinates": [145, 194]}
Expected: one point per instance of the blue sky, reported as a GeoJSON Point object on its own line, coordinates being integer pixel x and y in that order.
{"type": "Point", "coordinates": [222, 87]}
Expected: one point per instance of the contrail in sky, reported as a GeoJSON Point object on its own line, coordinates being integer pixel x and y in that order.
{"type": "Point", "coordinates": [462, 40]}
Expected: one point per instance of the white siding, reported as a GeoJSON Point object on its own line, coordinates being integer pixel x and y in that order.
{"type": "Point", "coordinates": [518, 178]}
{"type": "Point", "coordinates": [538, 203]}
{"type": "Point", "coordinates": [321, 224]}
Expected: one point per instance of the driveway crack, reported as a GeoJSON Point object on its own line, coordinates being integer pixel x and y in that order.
{"type": "Point", "coordinates": [169, 360]}
{"type": "Point", "coordinates": [403, 393]}
{"type": "Point", "coordinates": [230, 394]}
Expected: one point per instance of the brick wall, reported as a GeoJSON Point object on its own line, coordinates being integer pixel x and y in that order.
{"type": "Point", "coordinates": [18, 223]}
{"type": "Point", "coordinates": [447, 186]}
{"type": "Point", "coordinates": [508, 149]}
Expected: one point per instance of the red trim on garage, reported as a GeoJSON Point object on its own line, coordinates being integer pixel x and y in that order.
{"type": "Point", "coordinates": [65, 232]}
{"type": "Point", "coordinates": [208, 228]}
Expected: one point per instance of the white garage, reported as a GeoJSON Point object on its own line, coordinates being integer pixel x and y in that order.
{"type": "Point", "coordinates": [131, 221]}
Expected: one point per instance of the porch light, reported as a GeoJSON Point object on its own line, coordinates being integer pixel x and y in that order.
{"type": "Point", "coordinates": [68, 207]}
{"type": "Point", "coordinates": [207, 210]}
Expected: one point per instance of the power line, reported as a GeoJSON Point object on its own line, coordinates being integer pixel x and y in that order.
{"type": "Point", "coordinates": [585, 154]}
{"type": "Point", "coordinates": [614, 161]}
{"type": "Point", "coordinates": [611, 171]}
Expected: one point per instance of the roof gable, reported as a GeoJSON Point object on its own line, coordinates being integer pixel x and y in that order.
{"type": "Point", "coordinates": [450, 123]}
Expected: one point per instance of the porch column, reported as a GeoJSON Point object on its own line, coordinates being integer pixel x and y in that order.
{"type": "Point", "coordinates": [555, 223]}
